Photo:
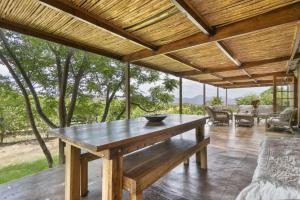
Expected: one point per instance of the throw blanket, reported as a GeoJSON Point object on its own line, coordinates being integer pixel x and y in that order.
{"type": "Point", "coordinates": [277, 175]}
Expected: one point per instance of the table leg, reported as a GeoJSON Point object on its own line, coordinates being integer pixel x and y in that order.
{"type": "Point", "coordinates": [199, 138]}
{"type": "Point", "coordinates": [72, 171]}
{"type": "Point", "coordinates": [112, 177]}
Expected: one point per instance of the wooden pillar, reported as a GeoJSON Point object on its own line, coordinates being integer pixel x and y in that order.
{"type": "Point", "coordinates": [274, 94]}
{"type": "Point", "coordinates": [180, 95]}
{"type": "Point", "coordinates": [226, 98]}
{"type": "Point", "coordinates": [127, 90]}
{"type": "Point", "coordinates": [218, 92]}
{"type": "Point", "coordinates": [204, 94]}
{"type": "Point", "coordinates": [295, 92]}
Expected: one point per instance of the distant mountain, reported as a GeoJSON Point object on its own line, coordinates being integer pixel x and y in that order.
{"type": "Point", "coordinates": [198, 100]}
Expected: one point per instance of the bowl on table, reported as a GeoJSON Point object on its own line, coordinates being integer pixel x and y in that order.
{"type": "Point", "coordinates": [155, 117]}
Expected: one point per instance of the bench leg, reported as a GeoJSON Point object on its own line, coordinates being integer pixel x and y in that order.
{"type": "Point", "coordinates": [136, 196]}
{"type": "Point", "coordinates": [203, 156]}
{"type": "Point", "coordinates": [83, 177]}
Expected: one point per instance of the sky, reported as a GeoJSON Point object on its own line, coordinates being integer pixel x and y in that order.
{"type": "Point", "coordinates": [192, 88]}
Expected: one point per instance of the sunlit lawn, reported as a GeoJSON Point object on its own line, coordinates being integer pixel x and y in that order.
{"type": "Point", "coordinates": [21, 169]}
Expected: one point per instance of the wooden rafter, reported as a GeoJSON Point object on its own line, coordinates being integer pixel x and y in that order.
{"type": "Point", "coordinates": [196, 19]}
{"type": "Point", "coordinates": [232, 57]}
{"type": "Point", "coordinates": [228, 53]}
{"type": "Point", "coordinates": [92, 19]}
{"type": "Point", "coordinates": [281, 16]}
{"type": "Point", "coordinates": [246, 65]}
{"type": "Point", "coordinates": [185, 62]}
{"type": "Point", "coordinates": [245, 77]}
{"type": "Point", "coordinates": [296, 43]}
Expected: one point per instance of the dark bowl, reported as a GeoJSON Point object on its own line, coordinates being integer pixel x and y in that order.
{"type": "Point", "coordinates": [155, 118]}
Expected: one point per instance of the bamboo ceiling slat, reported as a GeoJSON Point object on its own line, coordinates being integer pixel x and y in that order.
{"type": "Point", "coordinates": [166, 63]}
{"type": "Point", "coordinates": [40, 17]}
{"type": "Point", "coordinates": [128, 13]}
{"type": "Point", "coordinates": [267, 44]}
{"type": "Point", "coordinates": [218, 13]}
{"type": "Point", "coordinates": [207, 56]}
{"type": "Point", "coordinates": [205, 77]}
{"type": "Point", "coordinates": [265, 78]}
{"type": "Point", "coordinates": [232, 73]}
{"type": "Point", "coordinates": [274, 67]}
{"type": "Point", "coordinates": [168, 30]}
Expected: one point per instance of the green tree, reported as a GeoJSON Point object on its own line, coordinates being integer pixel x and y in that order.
{"type": "Point", "coordinates": [216, 101]}
{"type": "Point", "coordinates": [247, 100]}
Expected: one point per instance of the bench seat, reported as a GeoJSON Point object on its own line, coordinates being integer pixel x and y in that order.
{"type": "Point", "coordinates": [144, 167]}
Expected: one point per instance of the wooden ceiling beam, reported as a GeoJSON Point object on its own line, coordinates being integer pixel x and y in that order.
{"type": "Point", "coordinates": [246, 65]}
{"type": "Point", "coordinates": [229, 54]}
{"type": "Point", "coordinates": [296, 43]}
{"type": "Point", "coordinates": [246, 77]}
{"type": "Point", "coordinates": [185, 62]}
{"type": "Point", "coordinates": [95, 20]}
{"type": "Point", "coordinates": [278, 17]}
{"type": "Point", "coordinates": [248, 86]}
{"type": "Point", "coordinates": [196, 19]}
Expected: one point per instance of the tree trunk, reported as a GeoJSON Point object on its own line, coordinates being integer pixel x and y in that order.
{"type": "Point", "coordinates": [121, 113]}
{"type": "Point", "coordinates": [28, 82]}
{"type": "Point", "coordinates": [29, 113]}
{"type": "Point", "coordinates": [110, 98]}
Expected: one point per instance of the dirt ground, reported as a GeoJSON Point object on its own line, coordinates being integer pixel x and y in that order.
{"type": "Point", "coordinates": [25, 151]}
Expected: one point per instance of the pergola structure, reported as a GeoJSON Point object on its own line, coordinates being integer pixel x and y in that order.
{"type": "Point", "coordinates": [224, 44]}
{"type": "Point", "coordinates": [227, 44]}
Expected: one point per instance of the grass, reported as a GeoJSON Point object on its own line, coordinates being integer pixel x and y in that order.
{"type": "Point", "coordinates": [19, 170]}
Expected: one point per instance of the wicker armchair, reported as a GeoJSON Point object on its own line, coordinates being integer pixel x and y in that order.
{"type": "Point", "coordinates": [285, 119]}
{"type": "Point", "coordinates": [217, 117]}
{"type": "Point", "coordinates": [264, 111]}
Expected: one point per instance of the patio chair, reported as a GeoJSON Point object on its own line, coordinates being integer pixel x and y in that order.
{"type": "Point", "coordinates": [217, 117]}
{"type": "Point", "coordinates": [285, 119]}
{"type": "Point", "coordinates": [221, 108]}
{"type": "Point", "coordinates": [245, 109]}
{"type": "Point", "coordinates": [263, 111]}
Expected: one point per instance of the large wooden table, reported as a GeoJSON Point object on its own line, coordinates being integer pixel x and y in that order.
{"type": "Point", "coordinates": [111, 141]}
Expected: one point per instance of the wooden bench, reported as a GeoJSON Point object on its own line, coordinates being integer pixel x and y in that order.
{"type": "Point", "coordinates": [144, 167]}
{"type": "Point", "coordinates": [153, 162]}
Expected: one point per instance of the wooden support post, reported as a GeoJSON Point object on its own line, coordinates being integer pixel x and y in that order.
{"type": "Point", "coordinates": [112, 178]}
{"type": "Point", "coordinates": [127, 90]}
{"type": "Point", "coordinates": [204, 94]}
{"type": "Point", "coordinates": [295, 92]}
{"type": "Point", "coordinates": [218, 92]}
{"type": "Point", "coordinates": [72, 171]}
{"type": "Point", "coordinates": [180, 95]}
{"type": "Point", "coordinates": [274, 94]}
{"type": "Point", "coordinates": [136, 196]}
{"type": "Point", "coordinates": [226, 98]}
{"type": "Point", "coordinates": [201, 156]}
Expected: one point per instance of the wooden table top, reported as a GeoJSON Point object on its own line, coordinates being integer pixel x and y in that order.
{"type": "Point", "coordinates": [102, 136]}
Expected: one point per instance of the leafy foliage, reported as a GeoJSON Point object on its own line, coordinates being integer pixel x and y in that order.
{"type": "Point", "coordinates": [216, 101]}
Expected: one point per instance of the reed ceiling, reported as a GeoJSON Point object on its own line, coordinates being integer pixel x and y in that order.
{"type": "Point", "coordinates": [205, 41]}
